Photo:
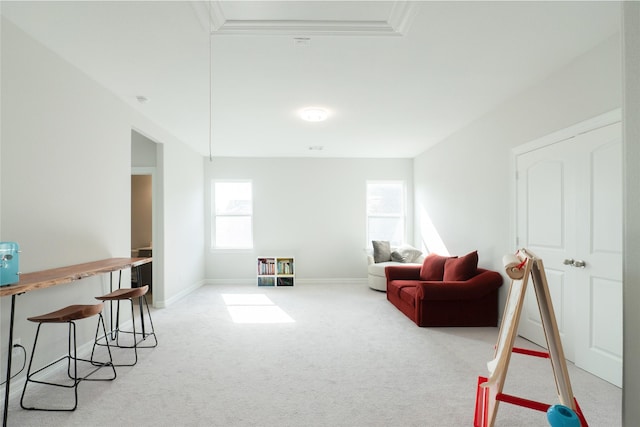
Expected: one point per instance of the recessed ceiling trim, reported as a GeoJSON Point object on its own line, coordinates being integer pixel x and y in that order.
{"type": "Point", "coordinates": [217, 15]}
{"type": "Point", "coordinates": [329, 28]}
{"type": "Point", "coordinates": [397, 24]}
{"type": "Point", "coordinates": [402, 15]}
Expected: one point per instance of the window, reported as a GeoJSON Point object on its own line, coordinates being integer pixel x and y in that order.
{"type": "Point", "coordinates": [233, 215]}
{"type": "Point", "coordinates": [386, 211]}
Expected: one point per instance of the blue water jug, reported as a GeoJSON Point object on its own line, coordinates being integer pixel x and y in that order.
{"type": "Point", "coordinates": [9, 261]}
{"type": "Point", "coordinates": [561, 416]}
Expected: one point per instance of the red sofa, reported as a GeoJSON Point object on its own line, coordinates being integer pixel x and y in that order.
{"type": "Point", "coordinates": [430, 296]}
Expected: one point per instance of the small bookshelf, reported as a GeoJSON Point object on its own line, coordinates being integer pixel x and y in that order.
{"type": "Point", "coordinates": [276, 271]}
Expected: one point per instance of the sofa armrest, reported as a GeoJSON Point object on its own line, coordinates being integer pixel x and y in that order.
{"type": "Point", "coordinates": [484, 282]}
{"type": "Point", "coordinates": [403, 272]}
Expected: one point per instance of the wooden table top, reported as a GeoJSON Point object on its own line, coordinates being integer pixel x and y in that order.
{"type": "Point", "coordinates": [58, 276]}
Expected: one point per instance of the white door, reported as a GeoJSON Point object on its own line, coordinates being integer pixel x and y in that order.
{"type": "Point", "coordinates": [569, 212]}
{"type": "Point", "coordinates": [545, 214]}
{"type": "Point", "coordinates": [598, 345]}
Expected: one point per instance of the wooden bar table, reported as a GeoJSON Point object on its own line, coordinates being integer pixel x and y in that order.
{"type": "Point", "coordinates": [53, 277]}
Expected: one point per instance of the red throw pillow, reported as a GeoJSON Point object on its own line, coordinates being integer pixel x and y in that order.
{"type": "Point", "coordinates": [462, 268]}
{"type": "Point", "coordinates": [433, 267]}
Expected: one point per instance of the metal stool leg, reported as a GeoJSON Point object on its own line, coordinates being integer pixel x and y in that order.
{"type": "Point", "coordinates": [145, 335]}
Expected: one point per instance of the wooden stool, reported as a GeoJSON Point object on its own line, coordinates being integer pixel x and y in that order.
{"type": "Point", "coordinates": [68, 315]}
{"type": "Point", "coordinates": [123, 295]}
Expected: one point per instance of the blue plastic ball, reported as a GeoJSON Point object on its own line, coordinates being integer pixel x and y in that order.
{"type": "Point", "coordinates": [561, 416]}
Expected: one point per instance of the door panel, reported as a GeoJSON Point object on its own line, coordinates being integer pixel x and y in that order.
{"type": "Point", "coordinates": [606, 201]}
{"type": "Point", "coordinates": [545, 204]}
{"type": "Point", "coordinates": [604, 312]}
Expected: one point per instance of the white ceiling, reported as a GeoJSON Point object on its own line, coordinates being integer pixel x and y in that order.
{"type": "Point", "coordinates": [397, 77]}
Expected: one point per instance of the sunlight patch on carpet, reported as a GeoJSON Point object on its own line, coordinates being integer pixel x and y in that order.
{"type": "Point", "coordinates": [258, 314]}
{"type": "Point", "coordinates": [246, 299]}
{"type": "Point", "coordinates": [254, 308]}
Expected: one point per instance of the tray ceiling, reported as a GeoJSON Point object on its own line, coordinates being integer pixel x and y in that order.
{"type": "Point", "coordinates": [378, 18]}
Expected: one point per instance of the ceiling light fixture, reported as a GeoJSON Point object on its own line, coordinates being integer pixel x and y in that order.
{"type": "Point", "coordinates": [314, 114]}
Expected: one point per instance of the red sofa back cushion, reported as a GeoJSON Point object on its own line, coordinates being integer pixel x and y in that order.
{"type": "Point", "coordinates": [462, 268]}
{"type": "Point", "coordinates": [433, 267]}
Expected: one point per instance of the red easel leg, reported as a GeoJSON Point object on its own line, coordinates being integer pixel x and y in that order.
{"type": "Point", "coordinates": [583, 421]}
{"type": "Point", "coordinates": [482, 393]}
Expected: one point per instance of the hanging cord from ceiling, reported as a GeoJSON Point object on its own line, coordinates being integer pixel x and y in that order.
{"type": "Point", "coordinates": [210, 86]}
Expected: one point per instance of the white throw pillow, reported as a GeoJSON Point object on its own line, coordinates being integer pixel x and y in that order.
{"type": "Point", "coordinates": [405, 253]}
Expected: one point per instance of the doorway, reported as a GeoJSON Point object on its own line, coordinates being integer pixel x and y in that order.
{"type": "Point", "coordinates": [142, 228]}
{"type": "Point", "coordinates": [146, 196]}
{"type": "Point", "coordinates": [569, 213]}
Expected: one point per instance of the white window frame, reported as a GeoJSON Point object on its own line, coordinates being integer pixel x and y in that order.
{"type": "Point", "coordinates": [402, 215]}
{"type": "Point", "coordinates": [215, 215]}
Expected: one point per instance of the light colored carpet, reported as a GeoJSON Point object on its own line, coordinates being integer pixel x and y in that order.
{"type": "Point", "coordinates": [349, 359]}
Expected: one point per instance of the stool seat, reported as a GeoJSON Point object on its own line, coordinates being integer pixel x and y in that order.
{"type": "Point", "coordinates": [72, 312]}
{"type": "Point", "coordinates": [126, 293]}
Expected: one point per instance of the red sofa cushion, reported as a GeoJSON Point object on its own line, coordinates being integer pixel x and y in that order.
{"type": "Point", "coordinates": [460, 269]}
{"type": "Point", "coordinates": [433, 267]}
{"type": "Point", "coordinates": [408, 295]}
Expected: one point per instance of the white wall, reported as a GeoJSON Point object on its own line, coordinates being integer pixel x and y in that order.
{"type": "Point", "coordinates": [313, 209]}
{"type": "Point", "coordinates": [144, 160]}
{"type": "Point", "coordinates": [144, 152]}
{"type": "Point", "coordinates": [631, 121]}
{"type": "Point", "coordinates": [65, 176]}
{"type": "Point", "coordinates": [183, 222]}
{"type": "Point", "coordinates": [464, 183]}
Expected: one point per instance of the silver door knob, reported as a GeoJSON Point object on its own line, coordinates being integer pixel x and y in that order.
{"type": "Point", "coordinates": [579, 263]}
{"type": "Point", "coordinates": [568, 261]}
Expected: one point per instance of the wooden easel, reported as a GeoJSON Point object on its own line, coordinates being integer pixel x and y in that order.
{"type": "Point", "coordinates": [489, 392]}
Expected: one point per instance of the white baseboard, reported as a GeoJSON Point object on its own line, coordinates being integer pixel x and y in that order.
{"type": "Point", "coordinates": [359, 281]}
{"type": "Point", "coordinates": [241, 282]}
{"type": "Point", "coordinates": [177, 297]}
{"type": "Point", "coordinates": [304, 282]}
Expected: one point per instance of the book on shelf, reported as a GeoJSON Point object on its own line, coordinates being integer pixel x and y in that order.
{"type": "Point", "coordinates": [266, 281]}
{"type": "Point", "coordinates": [266, 266]}
{"type": "Point", "coordinates": [285, 281]}
{"type": "Point", "coordinates": [285, 267]}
